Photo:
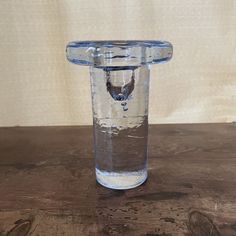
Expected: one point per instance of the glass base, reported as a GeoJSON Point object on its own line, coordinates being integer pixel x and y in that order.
{"type": "Point", "coordinates": [121, 180]}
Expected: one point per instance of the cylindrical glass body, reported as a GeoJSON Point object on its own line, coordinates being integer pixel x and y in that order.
{"type": "Point", "coordinates": [120, 118]}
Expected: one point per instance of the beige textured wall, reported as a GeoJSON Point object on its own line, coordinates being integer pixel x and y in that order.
{"type": "Point", "coordinates": [39, 87]}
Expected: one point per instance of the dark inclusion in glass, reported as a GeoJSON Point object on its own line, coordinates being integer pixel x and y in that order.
{"type": "Point", "coordinates": [120, 93]}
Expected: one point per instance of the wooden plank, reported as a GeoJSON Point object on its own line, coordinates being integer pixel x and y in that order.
{"type": "Point", "coordinates": [48, 187]}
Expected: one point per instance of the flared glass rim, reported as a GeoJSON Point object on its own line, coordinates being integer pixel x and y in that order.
{"type": "Point", "coordinates": [120, 43]}
{"type": "Point", "coordinates": [117, 52]}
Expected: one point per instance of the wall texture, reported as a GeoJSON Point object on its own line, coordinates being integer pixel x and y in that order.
{"type": "Point", "coordinates": [39, 87]}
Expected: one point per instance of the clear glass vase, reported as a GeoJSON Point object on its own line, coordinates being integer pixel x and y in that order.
{"type": "Point", "coordinates": [119, 73]}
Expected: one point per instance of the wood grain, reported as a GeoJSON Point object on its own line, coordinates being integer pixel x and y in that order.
{"type": "Point", "coordinates": [48, 187]}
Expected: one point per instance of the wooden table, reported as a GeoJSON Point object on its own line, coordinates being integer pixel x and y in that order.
{"type": "Point", "coordinates": [47, 184]}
